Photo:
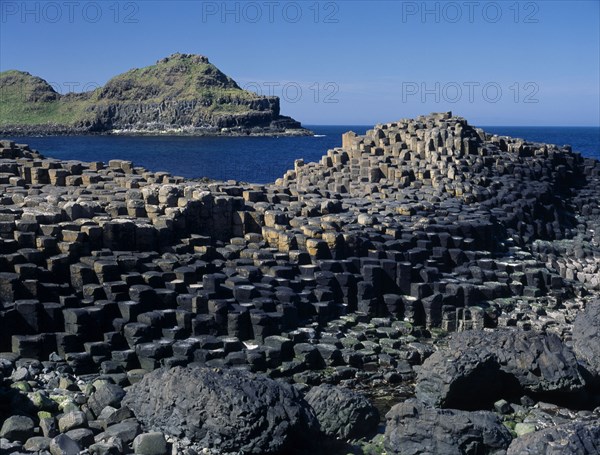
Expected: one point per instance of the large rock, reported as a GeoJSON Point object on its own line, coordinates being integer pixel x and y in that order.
{"type": "Point", "coordinates": [71, 420]}
{"type": "Point", "coordinates": [64, 445]}
{"type": "Point", "coordinates": [106, 394]}
{"type": "Point", "coordinates": [37, 444]}
{"type": "Point", "coordinates": [343, 413]}
{"type": "Point", "coordinates": [477, 368]}
{"type": "Point", "coordinates": [17, 428]}
{"type": "Point", "coordinates": [230, 409]}
{"type": "Point", "coordinates": [150, 444]}
{"type": "Point", "coordinates": [586, 333]}
{"type": "Point", "coordinates": [573, 438]}
{"type": "Point", "coordinates": [126, 431]}
{"type": "Point", "coordinates": [414, 429]}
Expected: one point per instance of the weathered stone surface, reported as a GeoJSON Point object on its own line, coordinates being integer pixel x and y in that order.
{"type": "Point", "coordinates": [112, 446]}
{"type": "Point", "coordinates": [586, 336]}
{"type": "Point", "coordinates": [64, 445]}
{"type": "Point", "coordinates": [126, 431]}
{"type": "Point", "coordinates": [150, 444]}
{"type": "Point", "coordinates": [477, 368]}
{"type": "Point", "coordinates": [37, 444]}
{"type": "Point", "coordinates": [342, 413]}
{"type": "Point", "coordinates": [347, 271]}
{"type": "Point", "coordinates": [232, 410]}
{"type": "Point", "coordinates": [17, 428]}
{"type": "Point", "coordinates": [414, 429]}
{"type": "Point", "coordinates": [84, 437]}
{"type": "Point", "coordinates": [572, 438]}
{"type": "Point", "coordinates": [106, 394]}
{"type": "Point", "coordinates": [72, 420]}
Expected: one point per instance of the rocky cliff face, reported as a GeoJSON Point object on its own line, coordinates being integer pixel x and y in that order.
{"type": "Point", "coordinates": [181, 93]}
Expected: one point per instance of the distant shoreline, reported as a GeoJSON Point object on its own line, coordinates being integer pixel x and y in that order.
{"type": "Point", "coordinates": [42, 131]}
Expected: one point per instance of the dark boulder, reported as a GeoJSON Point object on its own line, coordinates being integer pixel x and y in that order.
{"type": "Point", "coordinates": [414, 429]}
{"type": "Point", "coordinates": [232, 410]}
{"type": "Point", "coordinates": [64, 445]}
{"type": "Point", "coordinates": [573, 439]}
{"type": "Point", "coordinates": [342, 413]}
{"type": "Point", "coordinates": [17, 428]}
{"type": "Point", "coordinates": [586, 333]}
{"type": "Point", "coordinates": [477, 368]}
{"type": "Point", "coordinates": [106, 394]}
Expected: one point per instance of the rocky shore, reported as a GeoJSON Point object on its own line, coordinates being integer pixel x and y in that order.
{"type": "Point", "coordinates": [425, 288]}
{"type": "Point", "coordinates": [163, 130]}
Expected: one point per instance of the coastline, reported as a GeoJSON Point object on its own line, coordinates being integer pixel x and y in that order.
{"type": "Point", "coordinates": [375, 275]}
{"type": "Point", "coordinates": [42, 130]}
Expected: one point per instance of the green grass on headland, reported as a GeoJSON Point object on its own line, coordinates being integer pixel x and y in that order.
{"type": "Point", "coordinates": [178, 79]}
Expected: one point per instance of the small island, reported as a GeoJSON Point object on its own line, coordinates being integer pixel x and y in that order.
{"type": "Point", "coordinates": [182, 94]}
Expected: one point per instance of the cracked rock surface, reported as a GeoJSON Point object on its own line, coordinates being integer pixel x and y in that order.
{"type": "Point", "coordinates": [425, 260]}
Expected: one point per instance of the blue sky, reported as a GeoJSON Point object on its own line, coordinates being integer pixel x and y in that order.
{"type": "Point", "coordinates": [342, 62]}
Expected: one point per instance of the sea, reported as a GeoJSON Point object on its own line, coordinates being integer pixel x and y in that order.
{"type": "Point", "coordinates": [256, 159]}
